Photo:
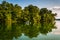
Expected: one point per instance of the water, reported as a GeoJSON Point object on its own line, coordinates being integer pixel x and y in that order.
{"type": "Point", "coordinates": [54, 35]}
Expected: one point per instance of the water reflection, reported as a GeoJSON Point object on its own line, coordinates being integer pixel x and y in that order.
{"type": "Point", "coordinates": [28, 30]}
{"type": "Point", "coordinates": [57, 31]}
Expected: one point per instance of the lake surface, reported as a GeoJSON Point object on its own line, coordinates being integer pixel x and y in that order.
{"type": "Point", "coordinates": [54, 35]}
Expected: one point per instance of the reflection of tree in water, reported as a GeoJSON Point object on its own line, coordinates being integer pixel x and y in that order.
{"type": "Point", "coordinates": [30, 31]}
{"type": "Point", "coordinates": [34, 31]}
{"type": "Point", "coordinates": [9, 34]}
{"type": "Point", "coordinates": [46, 28]}
{"type": "Point", "coordinates": [13, 21]}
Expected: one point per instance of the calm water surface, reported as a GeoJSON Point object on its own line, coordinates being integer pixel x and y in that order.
{"type": "Point", "coordinates": [54, 35]}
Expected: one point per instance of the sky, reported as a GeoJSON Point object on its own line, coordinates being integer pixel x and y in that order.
{"type": "Point", "coordinates": [53, 5]}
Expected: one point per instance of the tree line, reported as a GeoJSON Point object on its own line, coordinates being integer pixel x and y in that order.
{"type": "Point", "coordinates": [14, 19]}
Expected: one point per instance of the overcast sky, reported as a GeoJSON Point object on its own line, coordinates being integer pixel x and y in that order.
{"type": "Point", "coordinates": [53, 5]}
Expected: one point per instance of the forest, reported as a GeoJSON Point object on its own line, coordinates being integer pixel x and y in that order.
{"type": "Point", "coordinates": [31, 21]}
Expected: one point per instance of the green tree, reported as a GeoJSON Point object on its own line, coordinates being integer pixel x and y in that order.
{"type": "Point", "coordinates": [31, 14]}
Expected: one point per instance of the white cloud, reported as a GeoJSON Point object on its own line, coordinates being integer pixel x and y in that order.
{"type": "Point", "coordinates": [56, 9]}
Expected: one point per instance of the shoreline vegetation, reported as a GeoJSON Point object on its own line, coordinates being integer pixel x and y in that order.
{"type": "Point", "coordinates": [14, 21]}
{"type": "Point", "coordinates": [57, 19]}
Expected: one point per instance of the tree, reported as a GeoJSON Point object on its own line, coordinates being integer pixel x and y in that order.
{"type": "Point", "coordinates": [32, 14]}
{"type": "Point", "coordinates": [13, 21]}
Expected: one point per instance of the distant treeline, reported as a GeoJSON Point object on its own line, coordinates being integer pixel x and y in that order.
{"type": "Point", "coordinates": [57, 19]}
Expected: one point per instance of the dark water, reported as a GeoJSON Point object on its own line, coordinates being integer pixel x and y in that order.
{"type": "Point", "coordinates": [54, 35]}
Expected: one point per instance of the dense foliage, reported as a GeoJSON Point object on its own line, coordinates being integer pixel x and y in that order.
{"type": "Point", "coordinates": [31, 21]}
